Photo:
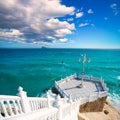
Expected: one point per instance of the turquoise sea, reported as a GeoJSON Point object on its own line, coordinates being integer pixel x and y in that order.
{"type": "Point", "coordinates": [37, 69]}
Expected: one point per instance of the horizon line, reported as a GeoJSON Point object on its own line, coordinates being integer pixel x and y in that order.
{"type": "Point", "coordinates": [57, 48]}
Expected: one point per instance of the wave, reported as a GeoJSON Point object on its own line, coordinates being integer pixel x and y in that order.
{"type": "Point", "coordinates": [115, 99]}
{"type": "Point", "coordinates": [118, 77]}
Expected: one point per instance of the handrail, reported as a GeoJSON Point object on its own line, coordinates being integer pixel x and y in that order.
{"type": "Point", "coordinates": [8, 97]}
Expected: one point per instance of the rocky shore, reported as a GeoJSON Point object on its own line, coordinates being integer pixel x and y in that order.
{"type": "Point", "coordinates": [109, 112]}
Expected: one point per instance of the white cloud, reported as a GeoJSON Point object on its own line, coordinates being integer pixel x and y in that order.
{"type": "Point", "coordinates": [93, 25]}
{"type": "Point", "coordinates": [59, 29]}
{"type": "Point", "coordinates": [80, 14]}
{"type": "Point", "coordinates": [90, 11]}
{"type": "Point", "coordinates": [10, 33]}
{"type": "Point", "coordinates": [83, 24]}
{"type": "Point", "coordinates": [36, 19]}
{"type": "Point", "coordinates": [105, 18]}
{"type": "Point", "coordinates": [63, 40]}
{"type": "Point", "coordinates": [114, 8]}
{"type": "Point", "coordinates": [70, 19]}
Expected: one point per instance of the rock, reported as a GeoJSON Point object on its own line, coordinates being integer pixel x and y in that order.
{"type": "Point", "coordinates": [95, 106]}
{"type": "Point", "coordinates": [109, 113]}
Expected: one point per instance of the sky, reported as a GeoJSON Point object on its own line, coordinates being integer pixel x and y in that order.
{"type": "Point", "coordinates": [60, 23]}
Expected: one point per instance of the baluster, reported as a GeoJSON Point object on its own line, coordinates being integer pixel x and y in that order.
{"type": "Point", "coordinates": [45, 104]}
{"type": "Point", "coordinates": [36, 104]}
{"type": "Point", "coordinates": [9, 108]}
{"type": "Point", "coordinates": [30, 104]}
{"type": "Point", "coordinates": [19, 106]}
{"type": "Point", "coordinates": [32, 107]}
{"type": "Point", "coordinates": [1, 111]}
{"type": "Point", "coordinates": [41, 104]}
{"type": "Point", "coordinates": [15, 107]}
{"type": "Point", "coordinates": [4, 109]}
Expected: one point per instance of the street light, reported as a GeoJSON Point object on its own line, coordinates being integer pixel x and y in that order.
{"type": "Point", "coordinates": [83, 61]}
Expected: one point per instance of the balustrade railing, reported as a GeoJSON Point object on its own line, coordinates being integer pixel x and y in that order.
{"type": "Point", "coordinates": [37, 103]}
{"type": "Point", "coordinates": [10, 106]}
{"type": "Point", "coordinates": [60, 90]}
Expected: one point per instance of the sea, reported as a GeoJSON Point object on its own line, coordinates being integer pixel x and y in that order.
{"type": "Point", "coordinates": [36, 70]}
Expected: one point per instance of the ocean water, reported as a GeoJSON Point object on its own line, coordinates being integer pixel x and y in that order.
{"type": "Point", "coordinates": [37, 69]}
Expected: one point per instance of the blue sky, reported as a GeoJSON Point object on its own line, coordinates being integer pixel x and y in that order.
{"type": "Point", "coordinates": [60, 23]}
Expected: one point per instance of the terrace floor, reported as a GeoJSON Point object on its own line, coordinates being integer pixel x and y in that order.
{"type": "Point", "coordinates": [75, 89]}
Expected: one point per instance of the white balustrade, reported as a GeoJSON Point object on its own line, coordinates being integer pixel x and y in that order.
{"type": "Point", "coordinates": [37, 103]}
{"type": "Point", "coordinates": [10, 106]}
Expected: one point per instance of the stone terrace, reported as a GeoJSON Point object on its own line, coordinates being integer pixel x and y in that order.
{"type": "Point", "coordinates": [72, 86]}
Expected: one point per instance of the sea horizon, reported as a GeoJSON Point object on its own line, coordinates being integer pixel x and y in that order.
{"type": "Point", "coordinates": [67, 48]}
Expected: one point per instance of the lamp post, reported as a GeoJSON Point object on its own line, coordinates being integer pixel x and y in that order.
{"type": "Point", "coordinates": [83, 61]}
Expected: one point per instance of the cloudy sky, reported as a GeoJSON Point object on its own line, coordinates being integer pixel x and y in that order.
{"type": "Point", "coordinates": [60, 23]}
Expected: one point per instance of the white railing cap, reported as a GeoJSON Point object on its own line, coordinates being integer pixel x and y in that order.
{"type": "Point", "coordinates": [8, 97]}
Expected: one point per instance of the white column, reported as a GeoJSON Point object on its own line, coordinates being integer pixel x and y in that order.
{"type": "Point", "coordinates": [59, 106]}
{"type": "Point", "coordinates": [19, 106]}
{"type": "Point", "coordinates": [24, 101]}
{"type": "Point", "coordinates": [70, 99]}
{"type": "Point", "coordinates": [48, 100]}
{"type": "Point", "coordinates": [4, 109]}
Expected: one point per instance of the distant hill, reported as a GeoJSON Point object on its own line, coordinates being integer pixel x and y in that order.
{"type": "Point", "coordinates": [43, 47]}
